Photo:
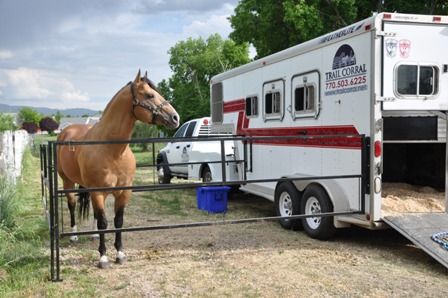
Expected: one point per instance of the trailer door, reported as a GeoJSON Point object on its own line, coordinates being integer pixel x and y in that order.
{"type": "Point", "coordinates": [415, 62]}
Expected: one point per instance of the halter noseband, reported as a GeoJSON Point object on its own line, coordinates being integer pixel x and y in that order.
{"type": "Point", "coordinates": [154, 109]}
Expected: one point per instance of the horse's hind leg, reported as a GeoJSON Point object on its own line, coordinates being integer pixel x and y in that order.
{"type": "Point", "coordinates": [71, 202]}
{"type": "Point", "coordinates": [98, 208]}
{"type": "Point", "coordinates": [120, 202]}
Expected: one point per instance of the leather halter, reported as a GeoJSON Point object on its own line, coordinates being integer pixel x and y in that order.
{"type": "Point", "coordinates": [154, 109]}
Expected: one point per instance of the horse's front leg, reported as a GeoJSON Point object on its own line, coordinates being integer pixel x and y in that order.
{"type": "Point", "coordinates": [71, 202]}
{"type": "Point", "coordinates": [100, 214]}
{"type": "Point", "coordinates": [121, 201]}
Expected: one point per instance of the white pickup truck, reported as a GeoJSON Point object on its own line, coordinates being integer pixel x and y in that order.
{"type": "Point", "coordinates": [172, 159]}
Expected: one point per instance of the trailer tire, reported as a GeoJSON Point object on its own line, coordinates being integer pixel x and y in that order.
{"type": "Point", "coordinates": [206, 174]}
{"type": "Point", "coordinates": [316, 200]}
{"type": "Point", "coordinates": [287, 203]}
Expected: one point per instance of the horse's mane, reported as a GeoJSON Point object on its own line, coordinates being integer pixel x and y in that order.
{"type": "Point", "coordinates": [145, 79]}
{"type": "Point", "coordinates": [113, 98]}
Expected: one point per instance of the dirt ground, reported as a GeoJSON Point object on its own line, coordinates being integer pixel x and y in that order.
{"type": "Point", "coordinates": [248, 260]}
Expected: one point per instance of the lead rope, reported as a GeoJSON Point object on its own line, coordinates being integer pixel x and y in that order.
{"type": "Point", "coordinates": [441, 238]}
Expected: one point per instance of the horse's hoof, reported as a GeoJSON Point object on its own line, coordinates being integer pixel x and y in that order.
{"type": "Point", "coordinates": [121, 258]}
{"type": "Point", "coordinates": [103, 263]}
{"type": "Point", "coordinates": [74, 239]}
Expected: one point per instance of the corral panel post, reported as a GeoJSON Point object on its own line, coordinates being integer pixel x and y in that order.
{"type": "Point", "coordinates": [223, 161]}
{"type": "Point", "coordinates": [51, 194]}
{"type": "Point", "coordinates": [56, 210]}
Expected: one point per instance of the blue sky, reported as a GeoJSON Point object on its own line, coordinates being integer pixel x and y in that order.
{"type": "Point", "coordinates": [70, 54]}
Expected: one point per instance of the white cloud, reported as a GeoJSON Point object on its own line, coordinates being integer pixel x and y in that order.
{"type": "Point", "coordinates": [5, 54]}
{"type": "Point", "coordinates": [216, 22]}
{"type": "Point", "coordinates": [27, 83]}
{"type": "Point", "coordinates": [35, 84]}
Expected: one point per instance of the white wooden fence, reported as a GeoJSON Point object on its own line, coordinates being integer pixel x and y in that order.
{"type": "Point", "coordinates": [12, 147]}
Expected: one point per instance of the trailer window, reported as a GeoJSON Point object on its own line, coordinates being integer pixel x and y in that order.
{"type": "Point", "coordinates": [273, 103]}
{"type": "Point", "coordinates": [304, 97]}
{"type": "Point", "coordinates": [217, 103]}
{"type": "Point", "coordinates": [252, 106]}
{"type": "Point", "coordinates": [417, 80]}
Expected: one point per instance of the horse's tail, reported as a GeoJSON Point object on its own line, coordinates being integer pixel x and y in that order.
{"type": "Point", "coordinates": [84, 204]}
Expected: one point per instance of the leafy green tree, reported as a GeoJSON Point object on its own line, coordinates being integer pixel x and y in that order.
{"type": "Point", "coordinates": [28, 115]}
{"type": "Point", "coordinates": [58, 117]}
{"type": "Point", "coordinates": [193, 63]}
{"type": "Point", "coordinates": [6, 122]}
{"type": "Point", "coordinates": [272, 26]}
{"type": "Point", "coordinates": [144, 131]}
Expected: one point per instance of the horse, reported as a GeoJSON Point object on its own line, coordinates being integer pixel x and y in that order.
{"type": "Point", "coordinates": [111, 165]}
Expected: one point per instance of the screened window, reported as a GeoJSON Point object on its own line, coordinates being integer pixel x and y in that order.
{"type": "Point", "coordinates": [217, 103]}
{"type": "Point", "coordinates": [273, 103]}
{"type": "Point", "coordinates": [252, 106]}
{"type": "Point", "coordinates": [304, 98]}
{"type": "Point", "coordinates": [417, 80]}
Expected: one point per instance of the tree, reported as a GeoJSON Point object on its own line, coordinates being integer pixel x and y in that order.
{"type": "Point", "coordinates": [272, 26]}
{"type": "Point", "coordinates": [29, 115]}
{"type": "Point", "coordinates": [143, 131]}
{"type": "Point", "coordinates": [193, 63]}
{"type": "Point", "coordinates": [6, 122]}
{"type": "Point", "coordinates": [58, 116]}
{"type": "Point", "coordinates": [48, 124]}
{"type": "Point", "coordinates": [30, 127]}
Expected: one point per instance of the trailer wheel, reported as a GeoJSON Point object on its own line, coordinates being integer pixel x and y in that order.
{"type": "Point", "coordinates": [287, 200]}
{"type": "Point", "coordinates": [316, 200]}
{"type": "Point", "coordinates": [206, 174]}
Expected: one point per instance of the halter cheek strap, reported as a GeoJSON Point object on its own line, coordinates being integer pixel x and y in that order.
{"type": "Point", "coordinates": [154, 109]}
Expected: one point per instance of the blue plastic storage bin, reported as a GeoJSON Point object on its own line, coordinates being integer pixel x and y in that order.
{"type": "Point", "coordinates": [212, 198]}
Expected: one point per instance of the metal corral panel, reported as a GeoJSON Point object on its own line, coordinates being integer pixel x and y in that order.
{"type": "Point", "coordinates": [419, 228]}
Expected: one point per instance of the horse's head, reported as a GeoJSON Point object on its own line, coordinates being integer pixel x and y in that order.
{"type": "Point", "coordinates": [149, 106]}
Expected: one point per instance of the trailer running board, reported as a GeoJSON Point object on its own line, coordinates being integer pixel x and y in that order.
{"type": "Point", "coordinates": [419, 227]}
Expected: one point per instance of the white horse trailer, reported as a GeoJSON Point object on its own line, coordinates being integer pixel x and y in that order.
{"type": "Point", "coordinates": [385, 77]}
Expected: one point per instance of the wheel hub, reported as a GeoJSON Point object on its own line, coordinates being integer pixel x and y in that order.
{"type": "Point", "coordinates": [312, 206]}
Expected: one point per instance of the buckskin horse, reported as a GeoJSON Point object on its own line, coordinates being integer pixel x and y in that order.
{"type": "Point", "coordinates": [111, 165]}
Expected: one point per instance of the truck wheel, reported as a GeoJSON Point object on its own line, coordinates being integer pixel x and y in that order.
{"type": "Point", "coordinates": [287, 200]}
{"type": "Point", "coordinates": [206, 174]}
{"type": "Point", "coordinates": [162, 175]}
{"type": "Point", "coordinates": [316, 200]}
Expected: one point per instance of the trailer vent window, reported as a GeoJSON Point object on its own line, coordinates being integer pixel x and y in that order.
{"type": "Point", "coordinates": [217, 103]}
{"type": "Point", "coordinates": [273, 103]}
{"type": "Point", "coordinates": [304, 99]}
{"type": "Point", "coordinates": [417, 80]}
{"type": "Point", "coordinates": [251, 106]}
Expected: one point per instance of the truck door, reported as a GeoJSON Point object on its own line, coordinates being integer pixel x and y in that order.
{"type": "Point", "coordinates": [179, 151]}
{"type": "Point", "coordinates": [415, 62]}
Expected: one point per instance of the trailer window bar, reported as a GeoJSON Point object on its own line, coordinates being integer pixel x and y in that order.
{"type": "Point", "coordinates": [252, 106]}
{"type": "Point", "coordinates": [416, 81]}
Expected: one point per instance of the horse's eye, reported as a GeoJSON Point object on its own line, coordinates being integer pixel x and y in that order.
{"type": "Point", "coordinates": [149, 96]}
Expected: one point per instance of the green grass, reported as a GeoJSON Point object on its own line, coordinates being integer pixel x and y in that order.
{"type": "Point", "coordinates": [23, 261]}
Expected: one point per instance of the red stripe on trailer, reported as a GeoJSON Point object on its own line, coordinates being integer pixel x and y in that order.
{"type": "Point", "coordinates": [314, 134]}
{"type": "Point", "coordinates": [234, 106]}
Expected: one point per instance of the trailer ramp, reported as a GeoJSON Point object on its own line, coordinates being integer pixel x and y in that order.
{"type": "Point", "coordinates": [419, 227]}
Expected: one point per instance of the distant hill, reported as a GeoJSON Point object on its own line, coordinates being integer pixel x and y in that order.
{"type": "Point", "coordinates": [48, 111]}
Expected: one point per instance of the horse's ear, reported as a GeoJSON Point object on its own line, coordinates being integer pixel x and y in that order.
{"type": "Point", "coordinates": [146, 75]}
{"type": "Point", "coordinates": [137, 78]}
